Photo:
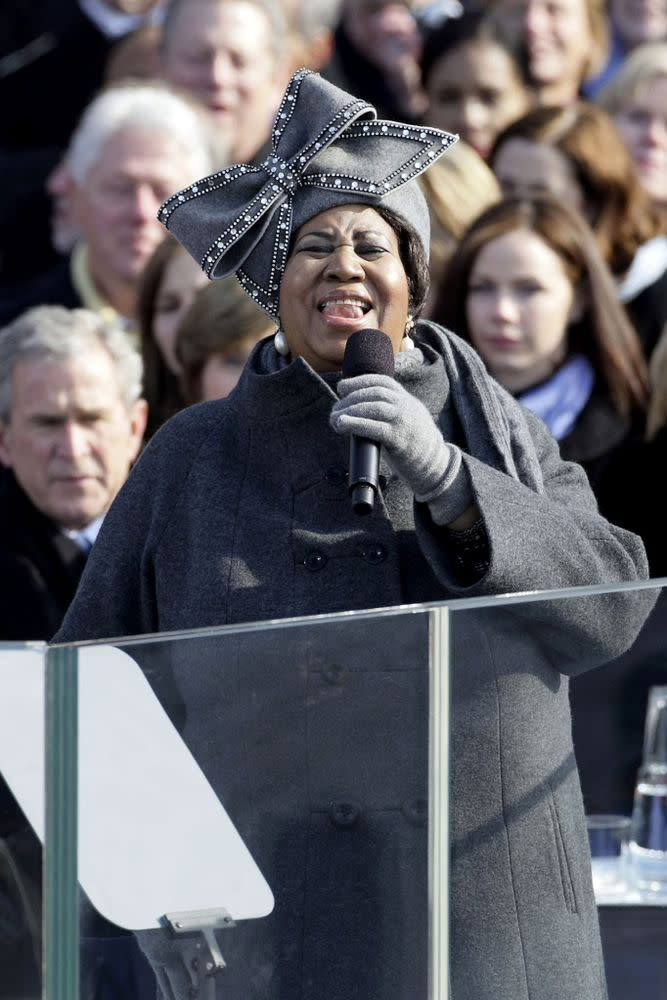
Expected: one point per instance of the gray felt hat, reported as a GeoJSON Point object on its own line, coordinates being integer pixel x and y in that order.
{"type": "Point", "coordinates": [328, 149]}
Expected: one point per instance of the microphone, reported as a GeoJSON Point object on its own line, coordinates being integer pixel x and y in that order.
{"type": "Point", "coordinates": [367, 352]}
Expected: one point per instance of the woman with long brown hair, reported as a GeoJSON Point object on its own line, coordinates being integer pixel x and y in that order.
{"type": "Point", "coordinates": [577, 155]}
{"type": "Point", "coordinates": [168, 286]}
{"type": "Point", "coordinates": [528, 288]}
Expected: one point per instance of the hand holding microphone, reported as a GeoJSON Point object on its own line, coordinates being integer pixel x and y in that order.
{"type": "Point", "coordinates": [375, 408]}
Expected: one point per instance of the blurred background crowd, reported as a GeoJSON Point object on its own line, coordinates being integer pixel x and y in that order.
{"type": "Point", "coordinates": [549, 229]}
{"type": "Point", "coordinates": [549, 239]}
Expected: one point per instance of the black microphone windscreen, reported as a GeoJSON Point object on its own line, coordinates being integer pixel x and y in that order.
{"type": "Point", "coordinates": [368, 352]}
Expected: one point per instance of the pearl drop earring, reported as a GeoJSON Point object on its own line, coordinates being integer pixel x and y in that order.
{"type": "Point", "coordinates": [280, 343]}
{"type": "Point", "coordinates": [408, 342]}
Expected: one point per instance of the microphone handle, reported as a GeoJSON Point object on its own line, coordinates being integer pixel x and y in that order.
{"type": "Point", "coordinates": [364, 468]}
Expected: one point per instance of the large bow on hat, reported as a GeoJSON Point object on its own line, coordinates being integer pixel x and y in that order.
{"type": "Point", "coordinates": [328, 148]}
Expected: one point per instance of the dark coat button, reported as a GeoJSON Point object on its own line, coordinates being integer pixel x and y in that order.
{"type": "Point", "coordinates": [336, 475]}
{"type": "Point", "coordinates": [343, 814]}
{"type": "Point", "coordinates": [332, 673]}
{"type": "Point", "coordinates": [315, 561]}
{"type": "Point", "coordinates": [374, 553]}
{"type": "Point", "coordinates": [416, 812]}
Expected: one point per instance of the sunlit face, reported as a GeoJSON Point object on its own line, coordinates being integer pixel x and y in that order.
{"type": "Point", "coordinates": [643, 125]}
{"type": "Point", "coordinates": [519, 304]}
{"type": "Point", "coordinates": [116, 204]}
{"type": "Point", "coordinates": [69, 438]}
{"type": "Point", "coordinates": [222, 53]}
{"type": "Point", "coordinates": [181, 280]}
{"type": "Point", "coordinates": [558, 40]}
{"type": "Point", "coordinates": [531, 168]}
{"type": "Point", "coordinates": [222, 371]}
{"type": "Point", "coordinates": [639, 21]}
{"type": "Point", "coordinates": [344, 274]}
{"type": "Point", "coordinates": [475, 90]}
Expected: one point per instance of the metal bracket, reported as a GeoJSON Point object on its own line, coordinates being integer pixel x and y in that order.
{"type": "Point", "coordinates": [206, 921]}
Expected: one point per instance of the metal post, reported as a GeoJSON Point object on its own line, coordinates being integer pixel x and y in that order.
{"type": "Point", "coordinates": [438, 813]}
{"type": "Point", "coordinates": [61, 893]}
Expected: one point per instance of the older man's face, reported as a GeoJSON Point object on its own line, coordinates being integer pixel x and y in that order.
{"type": "Point", "coordinates": [116, 203]}
{"type": "Point", "coordinates": [69, 438]}
{"type": "Point", "coordinates": [223, 54]}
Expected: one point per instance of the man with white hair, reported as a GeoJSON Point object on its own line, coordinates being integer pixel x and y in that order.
{"type": "Point", "coordinates": [135, 144]}
{"type": "Point", "coordinates": [71, 425]}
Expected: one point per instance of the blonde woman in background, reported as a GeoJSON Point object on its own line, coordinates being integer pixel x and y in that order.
{"type": "Point", "coordinates": [637, 100]}
{"type": "Point", "coordinates": [458, 188]}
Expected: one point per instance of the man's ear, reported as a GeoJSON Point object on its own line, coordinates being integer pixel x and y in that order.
{"type": "Point", "coordinates": [5, 445]}
{"type": "Point", "coordinates": [138, 418]}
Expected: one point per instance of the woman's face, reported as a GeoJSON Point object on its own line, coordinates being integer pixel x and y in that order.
{"type": "Point", "coordinates": [476, 90]}
{"type": "Point", "coordinates": [643, 125]}
{"type": "Point", "coordinates": [531, 168]}
{"type": "Point", "coordinates": [558, 39]}
{"type": "Point", "coordinates": [181, 280]}
{"type": "Point", "coordinates": [519, 304]}
{"type": "Point", "coordinates": [222, 370]}
{"type": "Point", "coordinates": [344, 274]}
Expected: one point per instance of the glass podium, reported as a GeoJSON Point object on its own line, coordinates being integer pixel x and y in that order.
{"type": "Point", "coordinates": [263, 810]}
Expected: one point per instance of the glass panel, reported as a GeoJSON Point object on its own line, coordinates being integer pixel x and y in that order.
{"type": "Point", "coordinates": [316, 849]}
{"type": "Point", "coordinates": [21, 818]}
{"type": "Point", "coordinates": [524, 913]}
{"type": "Point", "coordinates": [305, 850]}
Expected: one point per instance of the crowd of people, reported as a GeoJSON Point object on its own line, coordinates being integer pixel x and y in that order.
{"type": "Point", "coordinates": [539, 239]}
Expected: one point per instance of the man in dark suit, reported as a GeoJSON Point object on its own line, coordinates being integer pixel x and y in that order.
{"type": "Point", "coordinates": [71, 424]}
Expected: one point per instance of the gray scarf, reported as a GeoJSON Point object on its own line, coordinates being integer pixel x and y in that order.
{"type": "Point", "coordinates": [450, 378]}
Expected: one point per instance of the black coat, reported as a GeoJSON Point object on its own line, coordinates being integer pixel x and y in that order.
{"type": "Point", "coordinates": [54, 288]}
{"type": "Point", "coordinates": [39, 567]}
{"type": "Point", "coordinates": [54, 60]}
{"type": "Point", "coordinates": [600, 435]}
{"type": "Point", "coordinates": [39, 572]}
{"type": "Point", "coordinates": [608, 710]}
{"type": "Point", "coordinates": [648, 313]}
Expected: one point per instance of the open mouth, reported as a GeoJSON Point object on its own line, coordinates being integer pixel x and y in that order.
{"type": "Point", "coordinates": [344, 307]}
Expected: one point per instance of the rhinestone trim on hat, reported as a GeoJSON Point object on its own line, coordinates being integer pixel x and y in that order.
{"type": "Point", "coordinates": [285, 171]}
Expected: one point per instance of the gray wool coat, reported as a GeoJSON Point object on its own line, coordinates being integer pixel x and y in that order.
{"type": "Point", "coordinates": [238, 511]}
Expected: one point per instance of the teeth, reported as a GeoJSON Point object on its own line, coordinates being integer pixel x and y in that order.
{"type": "Point", "coordinates": [364, 306]}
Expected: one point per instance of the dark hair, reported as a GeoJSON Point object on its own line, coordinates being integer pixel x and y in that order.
{"type": "Point", "coordinates": [472, 26]}
{"type": "Point", "coordinates": [413, 257]}
{"type": "Point", "coordinates": [620, 211]}
{"type": "Point", "coordinates": [221, 314]}
{"type": "Point", "coordinates": [604, 334]}
{"type": "Point", "coordinates": [161, 387]}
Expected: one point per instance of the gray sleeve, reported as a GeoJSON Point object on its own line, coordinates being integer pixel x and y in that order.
{"type": "Point", "coordinates": [548, 541]}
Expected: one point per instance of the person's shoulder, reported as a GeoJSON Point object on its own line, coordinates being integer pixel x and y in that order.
{"type": "Point", "coordinates": [189, 436]}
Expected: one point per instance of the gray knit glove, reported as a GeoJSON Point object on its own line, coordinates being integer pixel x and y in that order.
{"type": "Point", "coordinates": [379, 408]}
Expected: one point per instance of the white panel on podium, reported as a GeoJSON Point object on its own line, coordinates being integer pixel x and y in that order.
{"type": "Point", "coordinates": [153, 835]}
